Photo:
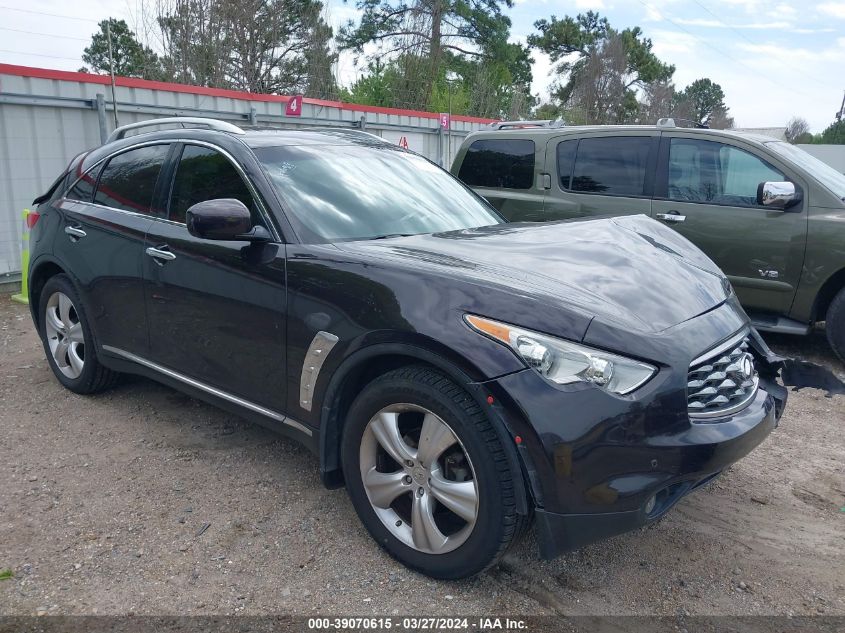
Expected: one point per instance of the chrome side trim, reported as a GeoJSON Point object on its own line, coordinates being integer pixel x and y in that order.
{"type": "Point", "coordinates": [730, 343]}
{"type": "Point", "coordinates": [209, 389]}
{"type": "Point", "coordinates": [321, 345]}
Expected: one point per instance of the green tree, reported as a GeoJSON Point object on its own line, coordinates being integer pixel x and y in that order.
{"type": "Point", "coordinates": [798, 131]}
{"type": "Point", "coordinates": [429, 37]}
{"type": "Point", "coordinates": [271, 46]}
{"type": "Point", "coordinates": [834, 134]}
{"type": "Point", "coordinates": [704, 101]}
{"type": "Point", "coordinates": [131, 58]}
{"type": "Point", "coordinates": [600, 68]}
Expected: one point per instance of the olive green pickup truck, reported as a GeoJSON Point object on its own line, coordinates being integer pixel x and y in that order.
{"type": "Point", "coordinates": [771, 216]}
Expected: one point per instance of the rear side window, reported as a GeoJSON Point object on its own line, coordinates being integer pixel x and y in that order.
{"type": "Point", "coordinates": [128, 180]}
{"type": "Point", "coordinates": [83, 189]}
{"type": "Point", "coordinates": [205, 174]}
{"type": "Point", "coordinates": [499, 164]}
{"type": "Point", "coordinates": [565, 162]}
{"type": "Point", "coordinates": [612, 165]}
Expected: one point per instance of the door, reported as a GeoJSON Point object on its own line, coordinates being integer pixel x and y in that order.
{"type": "Point", "coordinates": [600, 174]}
{"type": "Point", "coordinates": [707, 191]}
{"type": "Point", "coordinates": [216, 308]}
{"type": "Point", "coordinates": [106, 214]}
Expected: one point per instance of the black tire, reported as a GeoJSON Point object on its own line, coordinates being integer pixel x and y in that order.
{"type": "Point", "coordinates": [497, 525]}
{"type": "Point", "coordinates": [94, 377]}
{"type": "Point", "coordinates": [835, 324]}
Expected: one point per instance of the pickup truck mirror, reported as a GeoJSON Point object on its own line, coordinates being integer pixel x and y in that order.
{"type": "Point", "coordinates": [223, 219]}
{"type": "Point", "coordinates": [777, 195]}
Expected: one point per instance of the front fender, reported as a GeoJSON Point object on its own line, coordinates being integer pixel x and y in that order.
{"type": "Point", "coordinates": [340, 391]}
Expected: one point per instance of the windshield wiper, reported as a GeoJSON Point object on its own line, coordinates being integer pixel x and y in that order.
{"type": "Point", "coordinates": [389, 235]}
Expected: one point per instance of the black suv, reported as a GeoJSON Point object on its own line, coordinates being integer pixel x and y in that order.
{"type": "Point", "coordinates": [459, 374]}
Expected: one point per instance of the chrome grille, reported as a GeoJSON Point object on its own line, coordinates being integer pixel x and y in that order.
{"type": "Point", "coordinates": [722, 382]}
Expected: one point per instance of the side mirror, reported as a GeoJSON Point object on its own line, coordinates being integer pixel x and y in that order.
{"type": "Point", "coordinates": [777, 195]}
{"type": "Point", "coordinates": [223, 219]}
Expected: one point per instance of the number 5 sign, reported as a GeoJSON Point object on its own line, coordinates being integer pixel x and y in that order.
{"type": "Point", "coordinates": [294, 106]}
{"type": "Point", "coordinates": [445, 120]}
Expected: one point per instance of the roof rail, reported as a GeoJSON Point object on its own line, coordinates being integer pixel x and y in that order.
{"type": "Point", "coordinates": [670, 122]}
{"type": "Point", "coordinates": [550, 123]}
{"type": "Point", "coordinates": [211, 124]}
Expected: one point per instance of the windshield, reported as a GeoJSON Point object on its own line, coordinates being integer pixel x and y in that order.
{"type": "Point", "coordinates": [822, 172]}
{"type": "Point", "coordinates": [352, 192]}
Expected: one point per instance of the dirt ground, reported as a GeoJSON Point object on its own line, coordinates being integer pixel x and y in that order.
{"type": "Point", "coordinates": [144, 501]}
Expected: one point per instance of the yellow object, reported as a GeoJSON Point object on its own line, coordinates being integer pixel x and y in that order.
{"type": "Point", "coordinates": [23, 297]}
{"type": "Point", "coordinates": [493, 328]}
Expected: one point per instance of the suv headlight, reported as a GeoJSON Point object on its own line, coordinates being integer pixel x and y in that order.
{"type": "Point", "coordinates": [563, 362]}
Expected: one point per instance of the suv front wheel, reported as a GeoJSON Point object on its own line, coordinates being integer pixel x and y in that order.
{"type": "Point", "coordinates": [428, 476]}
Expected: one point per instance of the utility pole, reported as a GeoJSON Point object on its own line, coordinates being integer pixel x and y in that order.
{"type": "Point", "coordinates": [111, 71]}
{"type": "Point", "coordinates": [841, 112]}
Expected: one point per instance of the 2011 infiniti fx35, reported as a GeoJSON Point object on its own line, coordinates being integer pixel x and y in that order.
{"type": "Point", "coordinates": [459, 374]}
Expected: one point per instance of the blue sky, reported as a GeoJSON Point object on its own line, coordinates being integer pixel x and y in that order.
{"type": "Point", "coordinates": [773, 59]}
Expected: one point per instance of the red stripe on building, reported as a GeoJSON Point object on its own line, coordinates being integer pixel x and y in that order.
{"type": "Point", "coordinates": [132, 82]}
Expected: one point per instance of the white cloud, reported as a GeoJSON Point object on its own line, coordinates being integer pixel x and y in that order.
{"type": "Point", "coordinates": [666, 44]}
{"type": "Point", "coordinates": [716, 24]}
{"type": "Point", "coordinates": [835, 9]}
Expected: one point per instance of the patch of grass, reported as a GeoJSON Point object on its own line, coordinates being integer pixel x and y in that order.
{"type": "Point", "coordinates": [6, 574]}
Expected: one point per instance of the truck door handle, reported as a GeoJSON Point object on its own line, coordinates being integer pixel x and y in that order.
{"type": "Point", "coordinates": [672, 216]}
{"type": "Point", "coordinates": [160, 255]}
{"type": "Point", "coordinates": [75, 233]}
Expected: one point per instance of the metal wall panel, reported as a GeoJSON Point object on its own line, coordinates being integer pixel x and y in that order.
{"type": "Point", "coordinates": [44, 122]}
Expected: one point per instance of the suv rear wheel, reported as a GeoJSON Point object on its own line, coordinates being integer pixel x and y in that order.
{"type": "Point", "coordinates": [835, 324]}
{"type": "Point", "coordinates": [68, 340]}
{"type": "Point", "coordinates": [428, 476]}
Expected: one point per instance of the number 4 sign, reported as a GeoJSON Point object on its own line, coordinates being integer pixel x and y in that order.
{"type": "Point", "coordinates": [294, 106]}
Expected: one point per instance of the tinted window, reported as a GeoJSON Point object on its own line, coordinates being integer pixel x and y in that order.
{"type": "Point", "coordinates": [129, 179]}
{"type": "Point", "coordinates": [565, 161]}
{"type": "Point", "coordinates": [612, 165]}
{"type": "Point", "coordinates": [83, 190]}
{"type": "Point", "coordinates": [348, 192]}
{"type": "Point", "coordinates": [499, 164]}
{"type": "Point", "coordinates": [205, 174]}
{"type": "Point", "coordinates": [706, 171]}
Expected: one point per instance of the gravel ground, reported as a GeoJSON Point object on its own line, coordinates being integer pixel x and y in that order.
{"type": "Point", "coordinates": [144, 501]}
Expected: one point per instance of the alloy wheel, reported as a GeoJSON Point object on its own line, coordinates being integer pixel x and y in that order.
{"type": "Point", "coordinates": [64, 335]}
{"type": "Point", "coordinates": [419, 478]}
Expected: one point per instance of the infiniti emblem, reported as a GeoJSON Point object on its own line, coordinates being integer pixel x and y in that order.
{"type": "Point", "coordinates": [746, 366]}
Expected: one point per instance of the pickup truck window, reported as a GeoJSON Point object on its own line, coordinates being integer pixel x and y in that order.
{"type": "Point", "coordinates": [715, 173]}
{"type": "Point", "coordinates": [612, 165]}
{"type": "Point", "coordinates": [566, 161]}
{"type": "Point", "coordinates": [499, 164]}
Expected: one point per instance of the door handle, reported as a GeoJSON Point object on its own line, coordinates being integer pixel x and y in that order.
{"type": "Point", "coordinates": [75, 233]}
{"type": "Point", "coordinates": [672, 216]}
{"type": "Point", "coordinates": [161, 256]}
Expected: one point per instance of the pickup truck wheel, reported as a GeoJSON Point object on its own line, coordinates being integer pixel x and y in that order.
{"type": "Point", "coordinates": [835, 324]}
{"type": "Point", "coordinates": [68, 339]}
{"type": "Point", "coordinates": [428, 476]}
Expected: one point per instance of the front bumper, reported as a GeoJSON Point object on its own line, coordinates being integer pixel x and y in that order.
{"type": "Point", "coordinates": [600, 465]}
{"type": "Point", "coordinates": [698, 456]}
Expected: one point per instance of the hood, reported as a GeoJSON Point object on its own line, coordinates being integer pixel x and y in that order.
{"type": "Point", "coordinates": [630, 271]}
